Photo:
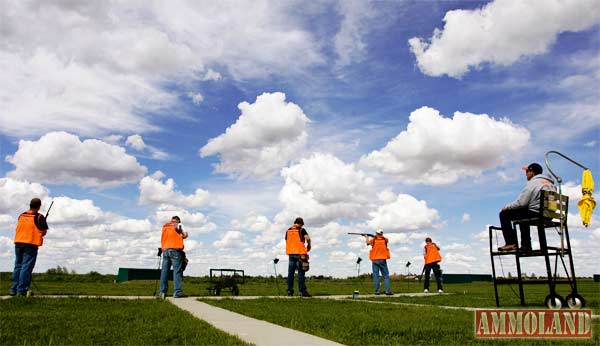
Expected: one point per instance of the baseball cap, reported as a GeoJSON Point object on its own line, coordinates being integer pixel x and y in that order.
{"type": "Point", "coordinates": [534, 167]}
{"type": "Point", "coordinates": [379, 231]}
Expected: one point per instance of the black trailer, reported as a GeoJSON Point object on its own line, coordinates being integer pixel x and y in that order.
{"type": "Point", "coordinates": [227, 280]}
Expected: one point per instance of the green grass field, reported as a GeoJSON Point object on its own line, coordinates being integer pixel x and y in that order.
{"type": "Point", "coordinates": [73, 321]}
{"type": "Point", "coordinates": [362, 323]}
{"type": "Point", "coordinates": [141, 322]}
{"type": "Point", "coordinates": [477, 294]}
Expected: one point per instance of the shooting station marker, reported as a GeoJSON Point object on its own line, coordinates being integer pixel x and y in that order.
{"type": "Point", "coordinates": [248, 329]}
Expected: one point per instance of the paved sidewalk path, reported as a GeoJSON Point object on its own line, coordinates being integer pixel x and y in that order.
{"type": "Point", "coordinates": [251, 330]}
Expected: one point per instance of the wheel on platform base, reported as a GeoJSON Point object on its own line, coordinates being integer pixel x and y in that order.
{"type": "Point", "coordinates": [575, 301]}
{"type": "Point", "coordinates": [554, 301]}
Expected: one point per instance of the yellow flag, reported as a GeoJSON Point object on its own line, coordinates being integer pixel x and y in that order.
{"type": "Point", "coordinates": [586, 204]}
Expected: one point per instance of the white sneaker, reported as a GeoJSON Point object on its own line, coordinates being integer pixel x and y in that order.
{"type": "Point", "coordinates": [425, 291]}
{"type": "Point", "coordinates": [440, 291]}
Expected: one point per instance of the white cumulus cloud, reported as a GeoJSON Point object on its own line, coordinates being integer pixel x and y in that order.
{"type": "Point", "coordinates": [192, 222]}
{"type": "Point", "coordinates": [231, 239]}
{"type": "Point", "coordinates": [500, 32]}
{"type": "Point", "coordinates": [154, 191]}
{"type": "Point", "coordinates": [322, 188]}
{"type": "Point", "coordinates": [92, 67]}
{"type": "Point", "coordinates": [62, 158]}
{"type": "Point", "coordinates": [136, 142]}
{"type": "Point", "coordinates": [404, 214]}
{"type": "Point", "coordinates": [268, 134]}
{"type": "Point", "coordinates": [437, 150]}
{"type": "Point", "coordinates": [15, 195]}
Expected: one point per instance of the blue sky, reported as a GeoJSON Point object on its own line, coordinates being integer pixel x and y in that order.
{"type": "Point", "coordinates": [414, 117]}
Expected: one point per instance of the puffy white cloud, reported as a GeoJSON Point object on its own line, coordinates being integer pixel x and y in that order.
{"type": "Point", "coordinates": [15, 195]}
{"type": "Point", "coordinates": [80, 212]}
{"type": "Point", "coordinates": [62, 158]}
{"type": "Point", "coordinates": [231, 239]}
{"type": "Point", "coordinates": [405, 214]}
{"type": "Point", "coordinates": [93, 68]}
{"type": "Point", "coordinates": [437, 150]}
{"type": "Point", "coordinates": [192, 222]}
{"type": "Point", "coordinates": [457, 247]}
{"type": "Point", "coordinates": [136, 142]}
{"type": "Point", "coordinates": [252, 222]}
{"type": "Point", "coordinates": [131, 226]}
{"type": "Point", "coordinates": [500, 32]}
{"type": "Point", "coordinates": [341, 256]}
{"type": "Point", "coordinates": [322, 188]}
{"type": "Point", "coordinates": [459, 259]}
{"type": "Point", "coordinates": [330, 235]}
{"type": "Point", "coordinates": [154, 191]}
{"type": "Point", "coordinates": [267, 135]}
{"type": "Point", "coordinates": [465, 218]}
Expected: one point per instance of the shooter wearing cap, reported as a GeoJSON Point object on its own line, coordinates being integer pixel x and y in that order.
{"type": "Point", "coordinates": [295, 238]}
{"type": "Point", "coordinates": [379, 255]}
{"type": "Point", "coordinates": [526, 206]}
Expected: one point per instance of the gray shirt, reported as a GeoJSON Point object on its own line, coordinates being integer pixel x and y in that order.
{"type": "Point", "coordinates": [530, 195]}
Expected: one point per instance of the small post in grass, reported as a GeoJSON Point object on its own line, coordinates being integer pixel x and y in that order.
{"type": "Point", "coordinates": [275, 261]}
{"type": "Point", "coordinates": [407, 274]}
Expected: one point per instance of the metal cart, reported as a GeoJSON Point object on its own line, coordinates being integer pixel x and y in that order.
{"type": "Point", "coordinates": [226, 281]}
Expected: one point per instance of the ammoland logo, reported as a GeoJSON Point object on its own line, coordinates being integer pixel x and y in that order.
{"type": "Point", "coordinates": [533, 323]}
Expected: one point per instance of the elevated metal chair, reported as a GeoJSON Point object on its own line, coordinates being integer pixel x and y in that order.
{"type": "Point", "coordinates": [553, 214]}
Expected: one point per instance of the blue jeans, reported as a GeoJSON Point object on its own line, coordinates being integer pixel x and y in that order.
{"type": "Point", "coordinates": [377, 266]}
{"type": "Point", "coordinates": [172, 257]}
{"type": "Point", "coordinates": [24, 262]}
{"type": "Point", "coordinates": [293, 264]}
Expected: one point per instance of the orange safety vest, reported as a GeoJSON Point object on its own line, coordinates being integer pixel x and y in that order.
{"type": "Point", "coordinates": [432, 254]}
{"type": "Point", "coordinates": [294, 242]}
{"type": "Point", "coordinates": [170, 238]}
{"type": "Point", "coordinates": [27, 232]}
{"type": "Point", "coordinates": [379, 249]}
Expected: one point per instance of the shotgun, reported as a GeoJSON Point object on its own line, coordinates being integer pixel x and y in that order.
{"type": "Point", "coordinates": [369, 234]}
{"type": "Point", "coordinates": [422, 271]}
{"type": "Point", "coordinates": [48, 212]}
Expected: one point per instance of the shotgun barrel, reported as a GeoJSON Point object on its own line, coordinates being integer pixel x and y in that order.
{"type": "Point", "coordinates": [369, 234]}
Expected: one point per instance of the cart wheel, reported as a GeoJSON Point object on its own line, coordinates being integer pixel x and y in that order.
{"type": "Point", "coordinates": [554, 301]}
{"type": "Point", "coordinates": [235, 291]}
{"type": "Point", "coordinates": [575, 301]}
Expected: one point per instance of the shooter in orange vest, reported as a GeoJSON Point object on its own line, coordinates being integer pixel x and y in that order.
{"type": "Point", "coordinates": [379, 255]}
{"type": "Point", "coordinates": [29, 236]}
{"type": "Point", "coordinates": [432, 256]}
{"type": "Point", "coordinates": [295, 237]}
{"type": "Point", "coordinates": [171, 243]}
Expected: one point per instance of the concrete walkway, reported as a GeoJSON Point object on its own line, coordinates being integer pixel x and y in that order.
{"type": "Point", "coordinates": [251, 330]}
